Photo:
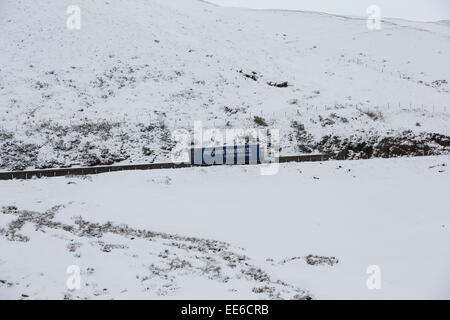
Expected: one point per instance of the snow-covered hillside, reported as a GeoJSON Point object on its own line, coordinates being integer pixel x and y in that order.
{"type": "Point", "coordinates": [115, 89]}
{"type": "Point", "coordinates": [310, 231]}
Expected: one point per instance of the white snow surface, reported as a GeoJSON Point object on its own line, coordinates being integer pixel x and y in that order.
{"type": "Point", "coordinates": [136, 70]}
{"type": "Point", "coordinates": [392, 213]}
{"type": "Point", "coordinates": [132, 65]}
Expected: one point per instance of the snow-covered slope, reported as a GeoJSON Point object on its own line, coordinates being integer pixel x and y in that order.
{"type": "Point", "coordinates": [312, 230]}
{"type": "Point", "coordinates": [113, 90]}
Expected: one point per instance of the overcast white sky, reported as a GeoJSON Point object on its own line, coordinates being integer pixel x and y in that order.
{"type": "Point", "coordinates": [421, 10]}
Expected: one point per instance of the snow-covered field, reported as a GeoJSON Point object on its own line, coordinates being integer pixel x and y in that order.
{"type": "Point", "coordinates": [114, 91]}
{"type": "Point", "coordinates": [393, 213]}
